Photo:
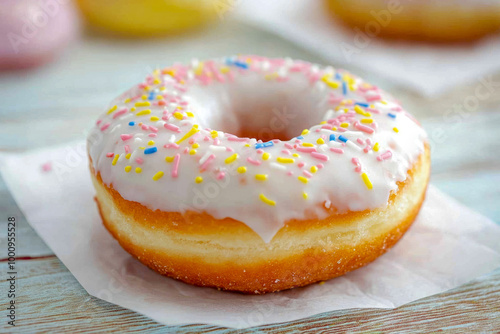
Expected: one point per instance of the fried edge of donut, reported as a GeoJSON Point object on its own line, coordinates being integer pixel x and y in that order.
{"type": "Point", "coordinates": [228, 255]}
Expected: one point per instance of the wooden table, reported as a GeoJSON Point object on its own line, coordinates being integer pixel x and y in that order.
{"type": "Point", "coordinates": [57, 103]}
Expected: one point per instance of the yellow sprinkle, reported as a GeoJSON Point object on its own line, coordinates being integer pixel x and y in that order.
{"type": "Point", "coordinates": [169, 159]}
{"type": "Point", "coordinates": [383, 102]}
{"type": "Point", "coordinates": [127, 100]}
{"type": "Point", "coordinates": [188, 134]}
{"type": "Point", "coordinates": [224, 69]}
{"type": "Point", "coordinates": [113, 108]}
{"type": "Point", "coordinates": [285, 160]}
{"type": "Point", "coordinates": [271, 76]}
{"type": "Point", "coordinates": [367, 181]}
{"type": "Point", "coordinates": [242, 169]}
{"type": "Point", "coordinates": [266, 156]}
{"type": "Point", "coordinates": [247, 145]}
{"type": "Point", "coordinates": [156, 81]}
{"type": "Point", "coordinates": [367, 120]}
{"type": "Point", "coordinates": [261, 177]}
{"type": "Point", "coordinates": [178, 115]}
{"type": "Point", "coordinates": [231, 159]}
{"type": "Point", "coordinates": [198, 179]}
{"type": "Point", "coordinates": [267, 200]}
{"type": "Point", "coordinates": [196, 145]}
{"type": "Point", "coordinates": [192, 152]}
{"type": "Point", "coordinates": [295, 155]}
{"type": "Point", "coordinates": [314, 169]}
{"type": "Point", "coordinates": [195, 126]}
{"type": "Point", "coordinates": [143, 112]}
{"type": "Point", "coordinates": [145, 97]}
{"type": "Point", "coordinates": [334, 128]}
{"type": "Point", "coordinates": [142, 104]}
{"type": "Point", "coordinates": [142, 148]}
{"type": "Point", "coordinates": [159, 97]}
{"type": "Point", "coordinates": [199, 69]}
{"type": "Point", "coordinates": [128, 169]}
{"type": "Point", "coordinates": [344, 125]}
{"type": "Point", "coordinates": [170, 72]}
{"type": "Point", "coordinates": [158, 176]}
{"type": "Point", "coordinates": [320, 141]}
{"type": "Point", "coordinates": [151, 142]}
{"type": "Point", "coordinates": [324, 122]}
{"type": "Point", "coordinates": [128, 155]}
{"type": "Point", "coordinates": [395, 129]}
{"type": "Point", "coordinates": [360, 111]}
{"type": "Point", "coordinates": [305, 132]}
{"type": "Point", "coordinates": [190, 114]}
{"type": "Point", "coordinates": [138, 170]}
{"type": "Point", "coordinates": [133, 109]}
{"type": "Point", "coordinates": [303, 179]}
{"type": "Point", "coordinates": [115, 159]}
{"type": "Point", "coordinates": [154, 118]}
{"type": "Point", "coordinates": [304, 194]}
{"type": "Point", "coordinates": [375, 147]}
{"type": "Point", "coordinates": [214, 133]}
{"type": "Point", "coordinates": [307, 144]}
{"type": "Point", "coordinates": [162, 88]}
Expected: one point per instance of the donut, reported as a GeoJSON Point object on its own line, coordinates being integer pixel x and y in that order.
{"type": "Point", "coordinates": [257, 175]}
{"type": "Point", "coordinates": [33, 32]}
{"type": "Point", "coordinates": [151, 17]}
{"type": "Point", "coordinates": [436, 21]}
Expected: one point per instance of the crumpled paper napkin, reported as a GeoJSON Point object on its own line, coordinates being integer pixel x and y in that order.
{"type": "Point", "coordinates": [447, 246]}
{"type": "Point", "coordinates": [429, 69]}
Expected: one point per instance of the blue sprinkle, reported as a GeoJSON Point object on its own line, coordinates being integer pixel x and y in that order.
{"type": "Point", "coordinates": [366, 105]}
{"type": "Point", "coordinates": [151, 96]}
{"type": "Point", "coordinates": [241, 64]}
{"type": "Point", "coordinates": [342, 138]}
{"type": "Point", "coordinates": [344, 88]}
{"type": "Point", "coordinates": [266, 144]}
{"type": "Point", "coordinates": [150, 150]}
{"type": "Point", "coordinates": [332, 137]}
{"type": "Point", "coordinates": [131, 123]}
{"type": "Point", "coordinates": [300, 137]}
{"type": "Point", "coordinates": [338, 76]}
{"type": "Point", "coordinates": [391, 115]}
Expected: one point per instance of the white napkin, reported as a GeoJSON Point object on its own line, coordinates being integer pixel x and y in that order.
{"type": "Point", "coordinates": [428, 69]}
{"type": "Point", "coordinates": [447, 246]}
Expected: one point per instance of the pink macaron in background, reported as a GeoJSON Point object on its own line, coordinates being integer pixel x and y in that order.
{"type": "Point", "coordinates": [34, 32]}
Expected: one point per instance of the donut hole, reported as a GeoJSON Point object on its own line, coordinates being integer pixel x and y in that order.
{"type": "Point", "coordinates": [260, 110]}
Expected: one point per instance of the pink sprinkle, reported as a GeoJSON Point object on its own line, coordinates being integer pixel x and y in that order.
{"type": "Point", "coordinates": [319, 156]}
{"type": "Point", "coordinates": [153, 128]}
{"type": "Point", "coordinates": [356, 162]}
{"type": "Point", "coordinates": [301, 164]}
{"type": "Point", "coordinates": [127, 148]}
{"type": "Point", "coordinates": [171, 127]}
{"type": "Point", "coordinates": [184, 103]}
{"type": "Point", "coordinates": [260, 151]}
{"type": "Point", "coordinates": [105, 126]}
{"type": "Point", "coordinates": [120, 112]}
{"type": "Point", "coordinates": [139, 161]}
{"type": "Point", "coordinates": [169, 145]}
{"type": "Point", "coordinates": [221, 175]}
{"type": "Point", "coordinates": [287, 152]}
{"type": "Point", "coordinates": [234, 138]}
{"type": "Point", "coordinates": [216, 141]}
{"type": "Point", "coordinates": [359, 140]}
{"type": "Point", "coordinates": [98, 122]}
{"type": "Point", "coordinates": [206, 138]}
{"type": "Point", "coordinates": [373, 98]}
{"type": "Point", "coordinates": [305, 149]}
{"type": "Point", "coordinates": [375, 111]}
{"type": "Point", "coordinates": [289, 146]}
{"type": "Point", "coordinates": [289, 173]}
{"type": "Point", "coordinates": [341, 129]}
{"type": "Point", "coordinates": [152, 135]}
{"type": "Point", "coordinates": [175, 168]}
{"type": "Point", "coordinates": [320, 166]}
{"type": "Point", "coordinates": [145, 127]}
{"type": "Point", "coordinates": [326, 126]}
{"type": "Point", "coordinates": [253, 162]}
{"type": "Point", "coordinates": [191, 141]}
{"type": "Point", "coordinates": [336, 150]}
{"type": "Point", "coordinates": [306, 173]}
{"type": "Point", "coordinates": [47, 167]}
{"type": "Point", "coordinates": [367, 148]}
{"type": "Point", "coordinates": [384, 156]}
{"type": "Point", "coordinates": [125, 137]}
{"type": "Point", "coordinates": [363, 128]}
{"type": "Point", "coordinates": [229, 149]}
{"type": "Point", "coordinates": [207, 162]}
{"type": "Point", "coordinates": [186, 150]}
{"type": "Point", "coordinates": [110, 154]}
{"type": "Point", "coordinates": [397, 108]}
{"type": "Point", "coordinates": [335, 99]}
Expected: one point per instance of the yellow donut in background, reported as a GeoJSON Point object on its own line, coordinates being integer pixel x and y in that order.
{"type": "Point", "coordinates": [438, 21]}
{"type": "Point", "coordinates": [151, 17]}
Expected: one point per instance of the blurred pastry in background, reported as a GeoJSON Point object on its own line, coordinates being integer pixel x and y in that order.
{"type": "Point", "coordinates": [34, 32]}
{"type": "Point", "coordinates": [143, 18]}
{"type": "Point", "coordinates": [439, 21]}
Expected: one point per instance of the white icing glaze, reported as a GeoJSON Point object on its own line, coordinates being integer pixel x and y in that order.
{"type": "Point", "coordinates": [266, 97]}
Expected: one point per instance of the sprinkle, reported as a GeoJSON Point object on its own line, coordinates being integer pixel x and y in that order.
{"type": "Point", "coordinates": [188, 134]}
{"type": "Point", "coordinates": [110, 154]}
{"type": "Point", "coordinates": [253, 161]}
{"type": "Point", "coordinates": [303, 179]}
{"type": "Point", "coordinates": [128, 156]}
{"type": "Point", "coordinates": [384, 156]}
{"type": "Point", "coordinates": [231, 159]}
{"type": "Point", "coordinates": [344, 125]}
{"type": "Point", "coordinates": [367, 181]}
{"type": "Point", "coordinates": [366, 105]}
{"type": "Point", "coordinates": [319, 156]}
{"type": "Point", "coordinates": [175, 169]}
{"type": "Point", "coordinates": [375, 147]}
{"type": "Point", "coordinates": [337, 150]}
{"type": "Point", "coordinates": [391, 115]}
{"type": "Point", "coordinates": [125, 137]}
{"type": "Point", "coordinates": [113, 108]}
{"type": "Point", "coordinates": [363, 128]}
{"type": "Point", "coordinates": [242, 169]}
{"type": "Point", "coordinates": [131, 123]}
{"type": "Point", "coordinates": [265, 156]}
{"type": "Point", "coordinates": [143, 112]}
{"type": "Point", "coordinates": [206, 162]}
{"type": "Point", "coordinates": [342, 138]}
{"type": "Point", "coordinates": [128, 169]}
{"type": "Point", "coordinates": [169, 159]}
{"type": "Point", "coordinates": [360, 111]}
{"type": "Point", "coordinates": [178, 115]}
{"type": "Point", "coordinates": [151, 142]}
{"type": "Point", "coordinates": [266, 200]}
{"type": "Point", "coordinates": [306, 149]}
{"type": "Point", "coordinates": [344, 88]}
{"type": "Point", "coordinates": [142, 104]}
{"type": "Point", "coordinates": [171, 127]}
{"type": "Point", "coordinates": [367, 120]}
{"type": "Point", "coordinates": [261, 177]}
{"type": "Point", "coordinates": [115, 159]}
{"type": "Point", "coordinates": [139, 161]}
{"type": "Point", "coordinates": [154, 118]}
{"type": "Point", "coordinates": [304, 132]}
{"type": "Point", "coordinates": [158, 176]}
{"type": "Point", "coordinates": [198, 179]}
{"type": "Point", "coordinates": [304, 194]}
{"type": "Point", "coordinates": [196, 145]}
{"type": "Point", "coordinates": [138, 170]}
{"type": "Point", "coordinates": [306, 173]}
{"type": "Point", "coordinates": [395, 129]}
{"type": "Point", "coordinates": [105, 126]}
{"type": "Point", "coordinates": [266, 144]}
{"type": "Point", "coordinates": [150, 150]}
{"type": "Point", "coordinates": [120, 112]}
{"type": "Point", "coordinates": [285, 160]}
{"type": "Point", "coordinates": [192, 152]}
